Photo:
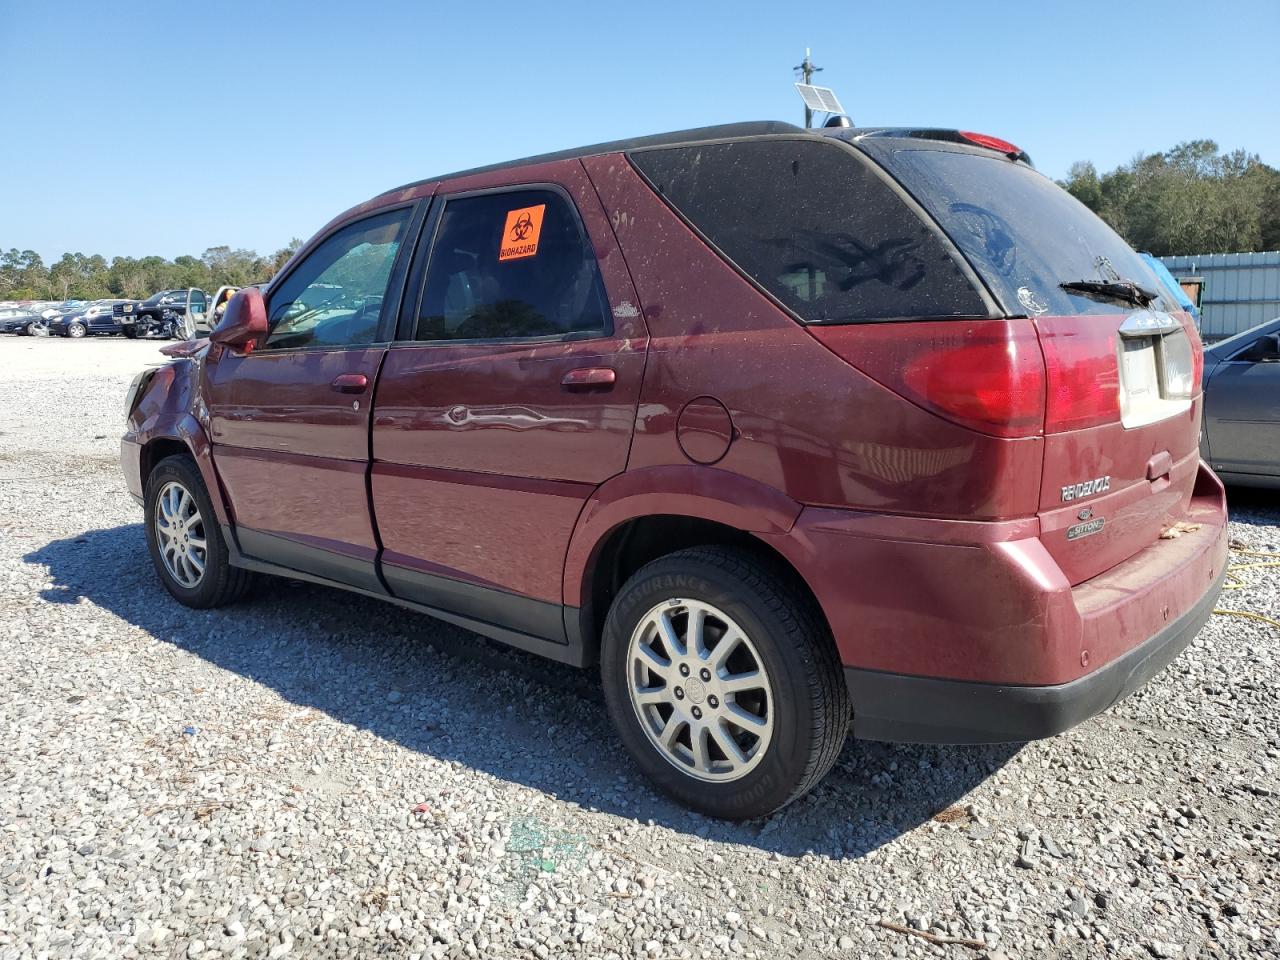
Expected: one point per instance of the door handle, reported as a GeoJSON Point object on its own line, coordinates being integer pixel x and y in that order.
{"type": "Point", "coordinates": [586, 378]}
{"type": "Point", "coordinates": [350, 383]}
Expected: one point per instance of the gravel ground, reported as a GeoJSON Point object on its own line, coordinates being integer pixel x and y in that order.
{"type": "Point", "coordinates": [316, 774]}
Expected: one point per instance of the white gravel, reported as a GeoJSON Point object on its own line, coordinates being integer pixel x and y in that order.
{"type": "Point", "coordinates": [316, 774]}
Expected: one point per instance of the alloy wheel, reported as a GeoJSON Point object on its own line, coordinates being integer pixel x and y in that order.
{"type": "Point", "coordinates": [700, 690]}
{"type": "Point", "coordinates": [180, 535]}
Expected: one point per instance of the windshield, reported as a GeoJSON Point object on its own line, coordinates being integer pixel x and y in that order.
{"type": "Point", "coordinates": [164, 295]}
{"type": "Point", "coordinates": [1023, 233]}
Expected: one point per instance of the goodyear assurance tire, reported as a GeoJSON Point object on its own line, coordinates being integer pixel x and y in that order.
{"type": "Point", "coordinates": [723, 682]}
{"type": "Point", "coordinates": [185, 541]}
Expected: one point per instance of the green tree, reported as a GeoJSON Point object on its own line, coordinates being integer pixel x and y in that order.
{"type": "Point", "coordinates": [1189, 199]}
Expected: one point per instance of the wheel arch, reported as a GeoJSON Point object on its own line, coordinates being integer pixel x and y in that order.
{"type": "Point", "coordinates": [186, 438]}
{"type": "Point", "coordinates": [638, 517]}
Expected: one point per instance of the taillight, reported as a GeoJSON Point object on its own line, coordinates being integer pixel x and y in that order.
{"type": "Point", "coordinates": [1183, 356]}
{"type": "Point", "coordinates": [1083, 375]}
{"type": "Point", "coordinates": [987, 375]}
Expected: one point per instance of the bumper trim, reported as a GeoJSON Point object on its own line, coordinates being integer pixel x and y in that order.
{"type": "Point", "coordinates": [909, 709]}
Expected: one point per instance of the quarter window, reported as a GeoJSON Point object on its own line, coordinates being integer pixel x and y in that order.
{"type": "Point", "coordinates": [508, 266]}
{"type": "Point", "coordinates": [335, 295]}
{"type": "Point", "coordinates": [815, 226]}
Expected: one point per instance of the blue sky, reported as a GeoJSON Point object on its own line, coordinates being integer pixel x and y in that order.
{"type": "Point", "coordinates": [251, 123]}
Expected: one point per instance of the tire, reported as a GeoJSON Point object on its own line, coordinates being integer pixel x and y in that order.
{"type": "Point", "coordinates": [76, 331]}
{"type": "Point", "coordinates": [218, 582]}
{"type": "Point", "coordinates": [798, 697]}
{"type": "Point", "coordinates": [130, 331]}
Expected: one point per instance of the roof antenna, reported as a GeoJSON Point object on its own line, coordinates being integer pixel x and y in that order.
{"type": "Point", "coordinates": [821, 99]}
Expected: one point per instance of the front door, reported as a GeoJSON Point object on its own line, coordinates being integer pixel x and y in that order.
{"type": "Point", "coordinates": [289, 421]}
{"type": "Point", "coordinates": [195, 318]}
{"type": "Point", "coordinates": [512, 398]}
{"type": "Point", "coordinates": [1242, 411]}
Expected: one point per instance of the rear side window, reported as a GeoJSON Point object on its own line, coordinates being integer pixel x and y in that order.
{"type": "Point", "coordinates": [1023, 233]}
{"type": "Point", "coordinates": [511, 266]}
{"type": "Point", "coordinates": [815, 226]}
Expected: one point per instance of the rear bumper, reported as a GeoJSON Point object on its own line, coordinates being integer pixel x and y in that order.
{"type": "Point", "coordinates": [926, 710]}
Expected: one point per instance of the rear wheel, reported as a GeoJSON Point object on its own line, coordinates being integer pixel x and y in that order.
{"type": "Point", "coordinates": [185, 541]}
{"type": "Point", "coordinates": [723, 682]}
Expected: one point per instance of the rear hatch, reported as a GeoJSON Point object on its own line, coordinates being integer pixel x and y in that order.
{"type": "Point", "coordinates": [1121, 359]}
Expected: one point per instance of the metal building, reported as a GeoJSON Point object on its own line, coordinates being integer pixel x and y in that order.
{"type": "Point", "coordinates": [1236, 290]}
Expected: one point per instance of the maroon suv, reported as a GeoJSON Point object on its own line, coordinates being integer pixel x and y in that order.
{"type": "Point", "coordinates": [788, 430]}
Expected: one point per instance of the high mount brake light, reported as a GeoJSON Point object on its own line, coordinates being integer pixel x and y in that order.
{"type": "Point", "coordinates": [991, 143]}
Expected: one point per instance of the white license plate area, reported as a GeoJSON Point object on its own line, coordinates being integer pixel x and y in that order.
{"type": "Point", "coordinates": [1139, 377]}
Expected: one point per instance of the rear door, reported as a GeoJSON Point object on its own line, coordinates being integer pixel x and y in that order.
{"type": "Point", "coordinates": [1123, 399]}
{"type": "Point", "coordinates": [511, 396]}
{"type": "Point", "coordinates": [289, 421]}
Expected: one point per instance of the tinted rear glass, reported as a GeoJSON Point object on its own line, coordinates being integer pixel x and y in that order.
{"type": "Point", "coordinates": [1022, 232]}
{"type": "Point", "coordinates": [815, 226]}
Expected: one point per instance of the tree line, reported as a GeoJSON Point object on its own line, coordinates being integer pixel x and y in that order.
{"type": "Point", "coordinates": [24, 275]}
{"type": "Point", "coordinates": [1190, 199]}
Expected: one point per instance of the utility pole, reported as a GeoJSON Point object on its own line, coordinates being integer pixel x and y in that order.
{"type": "Point", "coordinates": [807, 70]}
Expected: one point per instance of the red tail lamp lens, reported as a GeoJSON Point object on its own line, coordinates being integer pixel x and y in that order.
{"type": "Point", "coordinates": [1083, 375]}
{"type": "Point", "coordinates": [985, 375]}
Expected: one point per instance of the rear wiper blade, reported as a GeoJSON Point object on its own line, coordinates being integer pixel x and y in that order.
{"type": "Point", "coordinates": [1125, 290]}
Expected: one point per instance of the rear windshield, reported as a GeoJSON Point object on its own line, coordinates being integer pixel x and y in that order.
{"type": "Point", "coordinates": [1022, 232]}
{"type": "Point", "coordinates": [816, 227]}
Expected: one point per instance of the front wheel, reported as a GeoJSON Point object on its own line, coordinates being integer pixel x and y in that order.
{"type": "Point", "coordinates": [130, 331]}
{"type": "Point", "coordinates": [723, 682]}
{"type": "Point", "coordinates": [75, 331]}
{"type": "Point", "coordinates": [185, 541]}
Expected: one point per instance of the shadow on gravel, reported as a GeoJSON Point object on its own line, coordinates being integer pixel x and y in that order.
{"type": "Point", "coordinates": [450, 694]}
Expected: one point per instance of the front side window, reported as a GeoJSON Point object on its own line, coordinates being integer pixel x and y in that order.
{"type": "Point", "coordinates": [334, 296]}
{"type": "Point", "coordinates": [509, 266]}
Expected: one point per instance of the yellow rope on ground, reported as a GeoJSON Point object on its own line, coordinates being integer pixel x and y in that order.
{"type": "Point", "coordinates": [1251, 616]}
{"type": "Point", "coordinates": [1238, 583]}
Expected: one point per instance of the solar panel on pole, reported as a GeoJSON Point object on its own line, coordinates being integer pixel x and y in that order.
{"type": "Point", "coordinates": [819, 98]}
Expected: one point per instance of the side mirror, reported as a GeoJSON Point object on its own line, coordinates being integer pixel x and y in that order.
{"type": "Point", "coordinates": [1264, 349]}
{"type": "Point", "coordinates": [244, 323]}
{"type": "Point", "coordinates": [1271, 346]}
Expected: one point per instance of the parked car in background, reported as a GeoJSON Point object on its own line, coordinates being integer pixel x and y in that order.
{"type": "Point", "coordinates": [790, 432]}
{"type": "Point", "coordinates": [96, 318]}
{"type": "Point", "coordinates": [1241, 435]}
{"type": "Point", "coordinates": [18, 320]}
{"type": "Point", "coordinates": [168, 313]}
{"type": "Point", "coordinates": [65, 306]}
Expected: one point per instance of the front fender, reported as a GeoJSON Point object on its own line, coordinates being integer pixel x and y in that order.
{"type": "Point", "coordinates": [685, 490]}
{"type": "Point", "coordinates": [165, 416]}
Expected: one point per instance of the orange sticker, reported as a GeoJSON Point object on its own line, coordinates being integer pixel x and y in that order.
{"type": "Point", "coordinates": [520, 235]}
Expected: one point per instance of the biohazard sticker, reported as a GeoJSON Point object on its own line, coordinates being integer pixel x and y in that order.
{"type": "Point", "coordinates": [520, 235]}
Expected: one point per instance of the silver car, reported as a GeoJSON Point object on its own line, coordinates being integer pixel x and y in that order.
{"type": "Point", "coordinates": [1241, 436]}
